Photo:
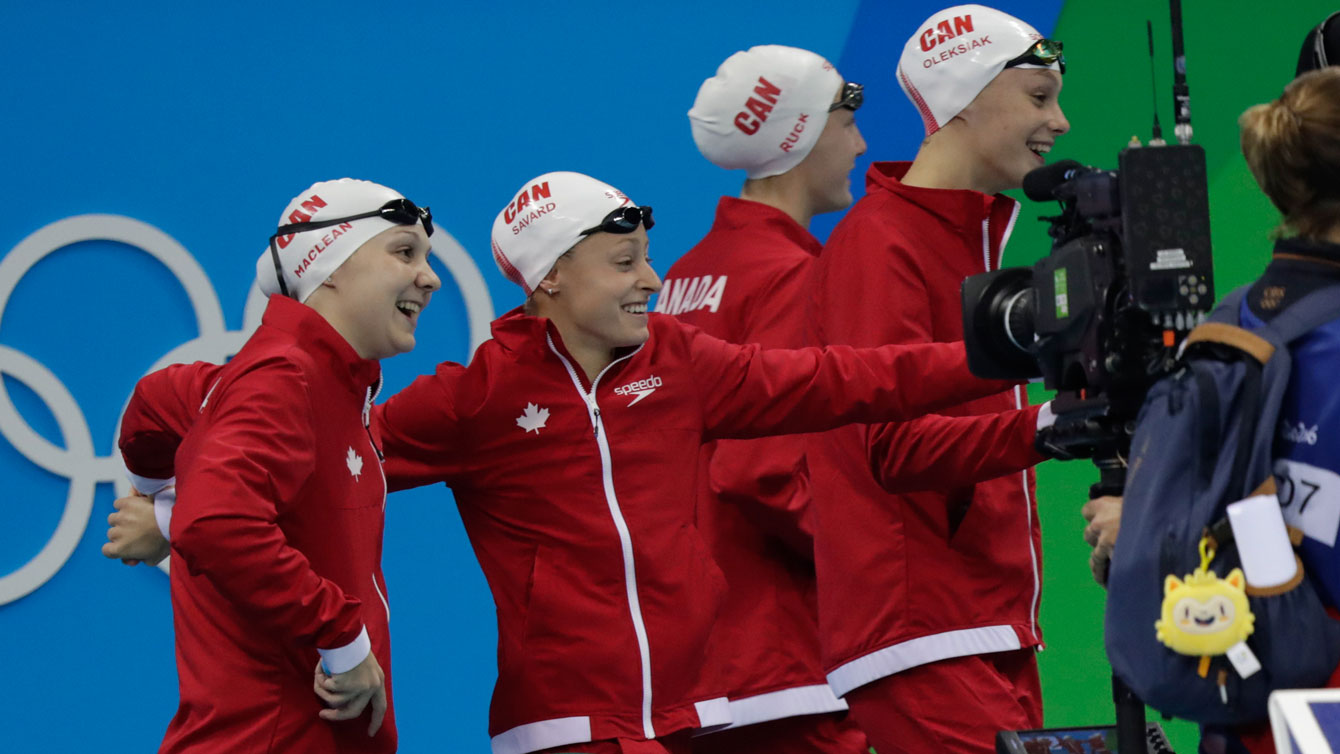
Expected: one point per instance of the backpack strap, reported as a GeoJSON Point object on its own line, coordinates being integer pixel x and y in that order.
{"type": "Point", "coordinates": [1226, 310]}
{"type": "Point", "coordinates": [1306, 314]}
{"type": "Point", "coordinates": [1231, 335]}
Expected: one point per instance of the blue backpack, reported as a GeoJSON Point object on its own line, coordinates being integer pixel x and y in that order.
{"type": "Point", "coordinates": [1205, 439]}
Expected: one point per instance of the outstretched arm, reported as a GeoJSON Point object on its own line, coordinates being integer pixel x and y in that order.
{"type": "Point", "coordinates": [926, 453]}
{"type": "Point", "coordinates": [420, 432]}
{"type": "Point", "coordinates": [752, 392]}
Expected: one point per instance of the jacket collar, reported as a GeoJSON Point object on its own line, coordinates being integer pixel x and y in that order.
{"type": "Point", "coordinates": [1296, 248]}
{"type": "Point", "coordinates": [745, 214]}
{"type": "Point", "coordinates": [313, 334]}
{"type": "Point", "coordinates": [955, 206]}
{"type": "Point", "coordinates": [519, 332]}
{"type": "Point", "coordinates": [528, 336]}
{"type": "Point", "coordinates": [963, 209]}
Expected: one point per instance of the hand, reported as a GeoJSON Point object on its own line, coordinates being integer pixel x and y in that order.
{"type": "Point", "coordinates": [1104, 517]}
{"type": "Point", "coordinates": [348, 693]}
{"type": "Point", "coordinates": [134, 536]}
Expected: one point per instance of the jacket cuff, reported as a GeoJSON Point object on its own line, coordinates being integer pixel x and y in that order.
{"type": "Point", "coordinates": [164, 494]}
{"type": "Point", "coordinates": [346, 658]}
{"type": "Point", "coordinates": [163, 502]}
{"type": "Point", "coordinates": [147, 485]}
{"type": "Point", "coordinates": [1045, 416]}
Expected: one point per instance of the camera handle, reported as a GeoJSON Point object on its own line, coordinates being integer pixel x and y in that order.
{"type": "Point", "coordinates": [1111, 477]}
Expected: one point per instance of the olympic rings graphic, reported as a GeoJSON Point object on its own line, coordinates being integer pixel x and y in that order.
{"type": "Point", "coordinates": [77, 461]}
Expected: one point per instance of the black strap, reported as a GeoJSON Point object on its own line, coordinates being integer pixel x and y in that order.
{"type": "Point", "coordinates": [1249, 416]}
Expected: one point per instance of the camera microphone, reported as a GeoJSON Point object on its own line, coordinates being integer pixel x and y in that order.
{"type": "Point", "coordinates": [1040, 185]}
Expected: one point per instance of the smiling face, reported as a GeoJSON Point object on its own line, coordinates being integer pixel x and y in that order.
{"type": "Point", "coordinates": [1011, 125]}
{"type": "Point", "coordinates": [375, 298]}
{"type": "Point", "coordinates": [603, 285]}
{"type": "Point", "coordinates": [1204, 617]}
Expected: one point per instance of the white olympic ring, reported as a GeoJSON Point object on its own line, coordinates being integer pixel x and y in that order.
{"type": "Point", "coordinates": [77, 461]}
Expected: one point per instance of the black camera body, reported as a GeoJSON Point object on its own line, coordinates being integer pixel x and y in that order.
{"type": "Point", "coordinates": [1099, 319]}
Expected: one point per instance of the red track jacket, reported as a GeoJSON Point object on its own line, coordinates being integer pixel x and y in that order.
{"type": "Point", "coordinates": [754, 509]}
{"type": "Point", "coordinates": [276, 535]}
{"type": "Point", "coordinates": [906, 579]}
{"type": "Point", "coordinates": [579, 502]}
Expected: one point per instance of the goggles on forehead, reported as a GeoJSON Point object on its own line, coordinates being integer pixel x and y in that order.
{"type": "Point", "coordinates": [853, 96]}
{"type": "Point", "coordinates": [1043, 52]}
{"type": "Point", "coordinates": [399, 211]}
{"type": "Point", "coordinates": [623, 220]}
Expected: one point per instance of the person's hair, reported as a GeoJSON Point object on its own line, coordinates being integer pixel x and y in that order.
{"type": "Point", "coordinates": [1292, 146]}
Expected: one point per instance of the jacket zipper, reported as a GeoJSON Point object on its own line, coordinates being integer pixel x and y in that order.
{"type": "Point", "coordinates": [373, 392]}
{"type": "Point", "coordinates": [385, 604]}
{"type": "Point", "coordinates": [625, 538]}
{"type": "Point", "coordinates": [1019, 404]}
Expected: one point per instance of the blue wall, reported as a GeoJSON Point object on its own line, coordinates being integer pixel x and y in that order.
{"type": "Point", "coordinates": [202, 121]}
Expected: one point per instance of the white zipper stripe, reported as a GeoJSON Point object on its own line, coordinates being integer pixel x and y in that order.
{"type": "Point", "coordinates": [625, 538]}
{"type": "Point", "coordinates": [367, 427]}
{"type": "Point", "coordinates": [986, 244]}
{"type": "Point", "coordinates": [373, 392]}
{"type": "Point", "coordinates": [385, 604]}
{"type": "Point", "coordinates": [1032, 551]}
{"type": "Point", "coordinates": [208, 393]}
{"type": "Point", "coordinates": [1019, 404]}
{"type": "Point", "coordinates": [1005, 237]}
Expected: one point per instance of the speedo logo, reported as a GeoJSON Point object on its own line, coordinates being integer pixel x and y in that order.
{"type": "Point", "coordinates": [641, 388]}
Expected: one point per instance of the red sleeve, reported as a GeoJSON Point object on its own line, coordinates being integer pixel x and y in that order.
{"type": "Point", "coordinates": [419, 430]}
{"type": "Point", "coordinates": [747, 391]}
{"type": "Point", "coordinates": [768, 480]}
{"type": "Point", "coordinates": [244, 469]}
{"type": "Point", "coordinates": [886, 281]}
{"type": "Point", "coordinates": [164, 406]}
{"type": "Point", "coordinates": [937, 452]}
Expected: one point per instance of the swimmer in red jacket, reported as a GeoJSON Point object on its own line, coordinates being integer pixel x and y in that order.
{"type": "Point", "coordinates": [944, 656]}
{"type": "Point", "coordinates": [277, 528]}
{"type": "Point", "coordinates": [747, 281]}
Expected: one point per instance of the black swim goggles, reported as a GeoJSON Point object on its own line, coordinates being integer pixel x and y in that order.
{"type": "Point", "coordinates": [623, 220]}
{"type": "Point", "coordinates": [399, 211]}
{"type": "Point", "coordinates": [853, 96]}
{"type": "Point", "coordinates": [1043, 52]}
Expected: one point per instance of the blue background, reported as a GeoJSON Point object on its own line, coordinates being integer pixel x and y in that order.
{"type": "Point", "coordinates": [203, 120]}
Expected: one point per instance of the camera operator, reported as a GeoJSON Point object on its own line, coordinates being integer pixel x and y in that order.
{"type": "Point", "coordinates": [1292, 147]}
{"type": "Point", "coordinates": [1320, 49]}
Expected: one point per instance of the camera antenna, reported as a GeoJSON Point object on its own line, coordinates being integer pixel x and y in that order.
{"type": "Point", "coordinates": [1157, 140]}
{"type": "Point", "coordinates": [1181, 93]}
